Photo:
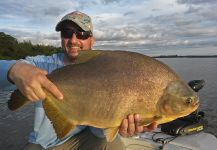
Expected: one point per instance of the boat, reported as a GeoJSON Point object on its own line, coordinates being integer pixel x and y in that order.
{"type": "Point", "coordinates": [158, 140]}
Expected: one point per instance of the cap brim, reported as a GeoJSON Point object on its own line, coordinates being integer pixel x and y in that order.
{"type": "Point", "coordinates": [59, 25]}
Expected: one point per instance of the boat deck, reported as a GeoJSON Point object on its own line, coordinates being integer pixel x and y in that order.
{"type": "Point", "coordinates": [199, 141]}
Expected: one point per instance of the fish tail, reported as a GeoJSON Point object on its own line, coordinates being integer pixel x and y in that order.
{"type": "Point", "coordinates": [17, 100]}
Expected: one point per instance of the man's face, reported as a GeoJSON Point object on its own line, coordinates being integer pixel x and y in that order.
{"type": "Point", "coordinates": [75, 39]}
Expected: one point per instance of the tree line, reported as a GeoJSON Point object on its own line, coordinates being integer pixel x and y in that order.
{"type": "Point", "coordinates": [10, 48]}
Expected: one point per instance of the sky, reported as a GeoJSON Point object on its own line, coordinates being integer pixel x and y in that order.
{"type": "Point", "coordinates": [152, 27]}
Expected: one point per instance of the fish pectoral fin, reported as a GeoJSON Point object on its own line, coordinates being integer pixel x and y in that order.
{"type": "Point", "coordinates": [17, 100]}
{"type": "Point", "coordinates": [111, 133]}
{"type": "Point", "coordinates": [61, 124]}
{"type": "Point", "coordinates": [63, 130]}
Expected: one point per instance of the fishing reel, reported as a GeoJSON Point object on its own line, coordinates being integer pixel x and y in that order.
{"type": "Point", "coordinates": [190, 124]}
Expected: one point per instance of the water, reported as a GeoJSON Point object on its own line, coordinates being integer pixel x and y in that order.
{"type": "Point", "coordinates": [15, 126]}
{"type": "Point", "coordinates": [4, 95]}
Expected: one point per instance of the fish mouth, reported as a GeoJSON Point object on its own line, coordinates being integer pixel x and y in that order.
{"type": "Point", "coordinates": [196, 104]}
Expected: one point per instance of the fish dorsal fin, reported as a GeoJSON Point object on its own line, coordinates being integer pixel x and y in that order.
{"type": "Point", "coordinates": [86, 55]}
{"type": "Point", "coordinates": [17, 100]}
{"type": "Point", "coordinates": [61, 123]}
{"type": "Point", "coordinates": [111, 133]}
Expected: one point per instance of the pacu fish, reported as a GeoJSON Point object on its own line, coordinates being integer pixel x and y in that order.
{"type": "Point", "coordinates": [103, 87]}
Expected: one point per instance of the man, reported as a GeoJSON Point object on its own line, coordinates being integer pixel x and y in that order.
{"type": "Point", "coordinates": [76, 35]}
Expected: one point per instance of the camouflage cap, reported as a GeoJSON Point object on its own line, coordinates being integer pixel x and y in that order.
{"type": "Point", "coordinates": [81, 19]}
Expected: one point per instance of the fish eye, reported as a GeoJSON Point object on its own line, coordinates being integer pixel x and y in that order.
{"type": "Point", "coordinates": [189, 100]}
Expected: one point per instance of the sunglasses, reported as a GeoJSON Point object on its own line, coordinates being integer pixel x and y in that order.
{"type": "Point", "coordinates": [83, 35]}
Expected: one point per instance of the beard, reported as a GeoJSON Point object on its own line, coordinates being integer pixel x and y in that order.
{"type": "Point", "coordinates": [71, 50]}
{"type": "Point", "coordinates": [70, 57]}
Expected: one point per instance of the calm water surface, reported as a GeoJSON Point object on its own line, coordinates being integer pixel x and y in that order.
{"type": "Point", "coordinates": [15, 126]}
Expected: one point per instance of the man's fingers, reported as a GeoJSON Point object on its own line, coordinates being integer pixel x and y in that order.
{"type": "Point", "coordinates": [29, 94]}
{"type": "Point", "coordinates": [39, 92]}
{"type": "Point", "coordinates": [34, 91]}
{"type": "Point", "coordinates": [52, 88]}
{"type": "Point", "coordinates": [131, 125]}
{"type": "Point", "coordinates": [131, 128]}
{"type": "Point", "coordinates": [139, 127]}
{"type": "Point", "coordinates": [123, 128]}
{"type": "Point", "coordinates": [32, 96]}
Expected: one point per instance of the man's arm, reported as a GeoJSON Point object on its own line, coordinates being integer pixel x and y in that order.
{"type": "Point", "coordinates": [31, 80]}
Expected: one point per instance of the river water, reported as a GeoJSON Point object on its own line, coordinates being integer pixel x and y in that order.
{"type": "Point", "coordinates": [15, 126]}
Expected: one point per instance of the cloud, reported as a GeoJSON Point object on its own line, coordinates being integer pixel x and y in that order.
{"type": "Point", "coordinates": [169, 31]}
{"type": "Point", "coordinates": [124, 24]}
{"type": "Point", "coordinates": [128, 13]}
{"type": "Point", "coordinates": [36, 11]}
{"type": "Point", "coordinates": [109, 1]}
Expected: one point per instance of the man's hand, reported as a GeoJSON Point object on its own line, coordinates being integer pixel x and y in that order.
{"type": "Point", "coordinates": [31, 80]}
{"type": "Point", "coordinates": [131, 126]}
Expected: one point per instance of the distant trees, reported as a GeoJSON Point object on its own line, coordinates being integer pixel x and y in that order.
{"type": "Point", "coordinates": [10, 48]}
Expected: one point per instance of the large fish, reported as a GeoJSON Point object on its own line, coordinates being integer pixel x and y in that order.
{"type": "Point", "coordinates": [103, 87]}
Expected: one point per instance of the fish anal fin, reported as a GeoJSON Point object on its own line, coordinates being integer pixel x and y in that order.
{"type": "Point", "coordinates": [111, 133]}
{"type": "Point", "coordinates": [63, 129]}
{"type": "Point", "coordinates": [61, 124]}
{"type": "Point", "coordinates": [17, 100]}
